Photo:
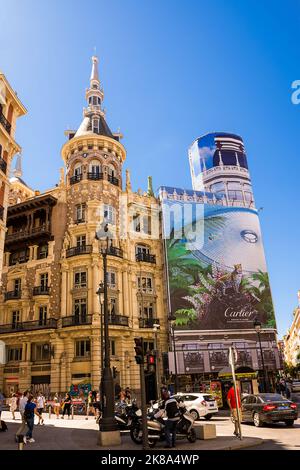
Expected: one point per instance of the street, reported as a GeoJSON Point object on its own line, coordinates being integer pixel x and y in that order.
{"type": "Point", "coordinates": [81, 434]}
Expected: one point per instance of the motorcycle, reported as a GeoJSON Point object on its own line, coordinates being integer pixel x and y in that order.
{"type": "Point", "coordinates": [124, 415]}
{"type": "Point", "coordinates": [156, 427]}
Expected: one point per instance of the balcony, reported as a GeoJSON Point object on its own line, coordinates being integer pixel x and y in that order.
{"type": "Point", "coordinates": [113, 180]}
{"type": "Point", "coordinates": [1, 212]}
{"type": "Point", "coordinates": [79, 250]}
{"type": "Point", "coordinates": [95, 176]}
{"type": "Point", "coordinates": [114, 251]}
{"type": "Point", "coordinates": [23, 234]}
{"type": "Point", "coordinates": [28, 326]}
{"type": "Point", "coordinates": [13, 295]}
{"type": "Point", "coordinates": [119, 320]}
{"type": "Point", "coordinates": [148, 322]}
{"type": "Point", "coordinates": [76, 178]}
{"type": "Point", "coordinates": [76, 320]}
{"type": "Point", "coordinates": [5, 123]}
{"type": "Point", "coordinates": [3, 165]}
{"type": "Point", "coordinates": [145, 257]}
{"type": "Point", "coordinates": [41, 290]}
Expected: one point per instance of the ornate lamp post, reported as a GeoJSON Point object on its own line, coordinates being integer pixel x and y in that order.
{"type": "Point", "coordinates": [257, 327]}
{"type": "Point", "coordinates": [172, 319]}
{"type": "Point", "coordinates": [109, 433]}
{"type": "Point", "coordinates": [100, 293]}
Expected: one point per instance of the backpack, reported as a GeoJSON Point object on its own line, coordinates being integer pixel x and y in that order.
{"type": "Point", "coordinates": [172, 410]}
{"type": "Point", "coordinates": [3, 426]}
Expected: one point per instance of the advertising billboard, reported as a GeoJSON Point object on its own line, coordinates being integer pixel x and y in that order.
{"type": "Point", "coordinates": [216, 266]}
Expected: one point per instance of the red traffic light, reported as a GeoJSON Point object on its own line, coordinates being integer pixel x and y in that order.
{"type": "Point", "coordinates": [151, 359]}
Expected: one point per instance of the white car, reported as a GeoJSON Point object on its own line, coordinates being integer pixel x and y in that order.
{"type": "Point", "coordinates": [198, 404]}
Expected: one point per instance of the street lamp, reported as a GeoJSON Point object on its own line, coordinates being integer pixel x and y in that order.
{"type": "Point", "coordinates": [172, 319]}
{"type": "Point", "coordinates": [100, 293]}
{"type": "Point", "coordinates": [109, 434]}
{"type": "Point", "coordinates": [257, 327]}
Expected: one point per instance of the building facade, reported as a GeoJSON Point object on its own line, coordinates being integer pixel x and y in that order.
{"type": "Point", "coordinates": [11, 109]}
{"type": "Point", "coordinates": [292, 339]}
{"type": "Point", "coordinates": [50, 310]}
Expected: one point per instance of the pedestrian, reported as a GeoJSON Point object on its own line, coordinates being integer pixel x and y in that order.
{"type": "Point", "coordinates": [13, 405]}
{"type": "Point", "coordinates": [67, 402]}
{"type": "Point", "coordinates": [90, 405]}
{"type": "Point", "coordinates": [29, 412]}
{"type": "Point", "coordinates": [173, 415]}
{"type": "Point", "coordinates": [56, 405]}
{"type": "Point", "coordinates": [234, 407]}
{"type": "Point", "coordinates": [40, 401]}
{"type": "Point", "coordinates": [22, 403]}
{"type": "Point", "coordinates": [117, 390]}
{"type": "Point", "coordinates": [128, 395]}
{"type": "Point", "coordinates": [122, 396]}
{"type": "Point", "coordinates": [2, 400]}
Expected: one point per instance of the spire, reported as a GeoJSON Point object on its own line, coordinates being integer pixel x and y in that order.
{"type": "Point", "coordinates": [17, 172]}
{"type": "Point", "coordinates": [150, 187]}
{"type": "Point", "coordinates": [95, 73]}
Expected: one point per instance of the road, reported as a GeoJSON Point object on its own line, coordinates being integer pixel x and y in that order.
{"type": "Point", "coordinates": [80, 434]}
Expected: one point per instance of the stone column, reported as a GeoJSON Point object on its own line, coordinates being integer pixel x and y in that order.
{"type": "Point", "coordinates": [69, 349]}
{"type": "Point", "coordinates": [90, 290]}
{"type": "Point", "coordinates": [64, 292]}
{"type": "Point", "coordinates": [120, 290]}
{"type": "Point", "coordinates": [95, 359]}
{"type": "Point", "coordinates": [35, 252]}
{"type": "Point", "coordinates": [125, 289]}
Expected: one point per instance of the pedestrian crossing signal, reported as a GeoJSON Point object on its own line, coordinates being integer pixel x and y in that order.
{"type": "Point", "coordinates": [139, 350]}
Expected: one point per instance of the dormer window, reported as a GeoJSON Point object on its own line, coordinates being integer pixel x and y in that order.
{"type": "Point", "coordinates": [96, 125]}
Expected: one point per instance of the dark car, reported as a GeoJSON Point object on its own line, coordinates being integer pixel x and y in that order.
{"type": "Point", "coordinates": [268, 408]}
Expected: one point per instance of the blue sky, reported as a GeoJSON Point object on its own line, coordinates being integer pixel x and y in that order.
{"type": "Point", "coordinates": [171, 71]}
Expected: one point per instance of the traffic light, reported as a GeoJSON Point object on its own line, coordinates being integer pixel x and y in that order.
{"type": "Point", "coordinates": [151, 362]}
{"type": "Point", "coordinates": [139, 350]}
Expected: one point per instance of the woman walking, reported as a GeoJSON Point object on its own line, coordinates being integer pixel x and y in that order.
{"type": "Point", "coordinates": [13, 405]}
{"type": "Point", "coordinates": [56, 405]}
{"type": "Point", "coordinates": [67, 405]}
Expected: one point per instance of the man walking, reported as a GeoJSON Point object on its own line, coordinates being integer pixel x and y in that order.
{"type": "Point", "coordinates": [22, 404]}
{"type": "Point", "coordinates": [29, 412]}
{"type": "Point", "coordinates": [233, 407]}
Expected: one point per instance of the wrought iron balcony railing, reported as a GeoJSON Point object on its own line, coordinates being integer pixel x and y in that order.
{"type": "Point", "coordinates": [148, 322]}
{"type": "Point", "coordinates": [13, 294]}
{"type": "Point", "coordinates": [114, 251]}
{"type": "Point", "coordinates": [76, 178]}
{"type": "Point", "coordinates": [113, 180]}
{"type": "Point", "coordinates": [78, 250]}
{"type": "Point", "coordinates": [120, 320]}
{"type": "Point", "coordinates": [3, 165]}
{"type": "Point", "coordinates": [95, 176]}
{"type": "Point", "coordinates": [41, 290]}
{"type": "Point", "coordinates": [28, 325]}
{"type": "Point", "coordinates": [73, 320]}
{"type": "Point", "coordinates": [5, 123]}
{"type": "Point", "coordinates": [145, 257]}
{"type": "Point", "coordinates": [34, 232]}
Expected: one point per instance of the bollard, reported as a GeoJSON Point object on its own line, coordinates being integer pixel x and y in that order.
{"type": "Point", "coordinates": [50, 410]}
{"type": "Point", "coordinates": [72, 412]}
{"type": "Point", "coordinates": [20, 442]}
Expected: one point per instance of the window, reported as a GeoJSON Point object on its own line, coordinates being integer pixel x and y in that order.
{"type": "Point", "coordinates": [44, 280]}
{"type": "Point", "coordinates": [147, 224]}
{"type": "Point", "coordinates": [83, 348]}
{"type": "Point", "coordinates": [148, 346]}
{"type": "Point", "coordinates": [137, 223]}
{"type": "Point", "coordinates": [111, 170]}
{"type": "Point", "coordinates": [80, 212]}
{"type": "Point", "coordinates": [81, 240]}
{"type": "Point", "coordinates": [17, 285]}
{"type": "Point", "coordinates": [96, 125]}
{"type": "Point", "coordinates": [43, 315]}
{"type": "Point", "coordinates": [80, 279]}
{"type": "Point", "coordinates": [80, 310]}
{"type": "Point", "coordinates": [77, 170]}
{"type": "Point", "coordinates": [111, 279]}
{"type": "Point", "coordinates": [234, 191]}
{"type": "Point", "coordinates": [112, 306]}
{"type": "Point", "coordinates": [109, 214]}
{"type": "Point", "coordinates": [14, 354]}
{"type": "Point", "coordinates": [145, 284]}
{"type": "Point", "coordinates": [40, 352]}
{"type": "Point", "coordinates": [16, 319]}
{"type": "Point", "coordinates": [147, 310]}
{"type": "Point", "coordinates": [42, 251]}
{"type": "Point", "coordinates": [95, 167]}
{"type": "Point", "coordinates": [112, 345]}
{"type": "Point", "coordinates": [218, 189]}
{"type": "Point", "coordinates": [142, 249]}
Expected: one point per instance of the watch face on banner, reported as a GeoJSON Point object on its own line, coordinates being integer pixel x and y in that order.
{"type": "Point", "coordinates": [217, 271]}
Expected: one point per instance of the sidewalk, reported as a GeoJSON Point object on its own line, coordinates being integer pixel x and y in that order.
{"type": "Point", "coordinates": [80, 434]}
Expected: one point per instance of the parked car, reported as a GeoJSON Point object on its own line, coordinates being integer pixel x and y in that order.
{"type": "Point", "coordinates": [268, 408]}
{"type": "Point", "coordinates": [295, 386]}
{"type": "Point", "coordinates": [198, 404]}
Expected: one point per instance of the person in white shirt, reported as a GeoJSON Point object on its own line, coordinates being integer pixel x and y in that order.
{"type": "Point", "coordinates": [22, 404]}
{"type": "Point", "coordinates": [40, 404]}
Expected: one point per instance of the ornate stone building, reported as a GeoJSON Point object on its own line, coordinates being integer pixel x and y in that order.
{"type": "Point", "coordinates": [10, 109]}
{"type": "Point", "coordinates": [50, 312]}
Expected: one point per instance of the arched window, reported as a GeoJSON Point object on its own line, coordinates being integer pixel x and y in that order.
{"type": "Point", "coordinates": [77, 169]}
{"type": "Point", "coordinates": [109, 214]}
{"type": "Point", "coordinates": [96, 125]}
{"type": "Point", "coordinates": [111, 170]}
{"type": "Point", "coordinates": [95, 167]}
